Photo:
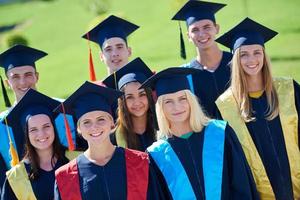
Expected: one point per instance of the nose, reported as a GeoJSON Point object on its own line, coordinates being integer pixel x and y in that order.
{"type": "Point", "coordinates": [115, 53]}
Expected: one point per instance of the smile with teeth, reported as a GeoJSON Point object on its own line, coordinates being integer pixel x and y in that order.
{"type": "Point", "coordinates": [96, 134]}
{"type": "Point", "coordinates": [203, 41]}
{"type": "Point", "coordinates": [24, 89]}
{"type": "Point", "coordinates": [43, 139]}
{"type": "Point", "coordinates": [251, 66]}
{"type": "Point", "coordinates": [116, 61]}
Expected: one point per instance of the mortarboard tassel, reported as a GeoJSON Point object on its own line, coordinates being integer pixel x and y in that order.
{"type": "Point", "coordinates": [91, 63]}
{"type": "Point", "coordinates": [13, 153]}
{"type": "Point", "coordinates": [182, 46]}
{"type": "Point", "coordinates": [68, 130]}
{"type": "Point", "coordinates": [5, 96]}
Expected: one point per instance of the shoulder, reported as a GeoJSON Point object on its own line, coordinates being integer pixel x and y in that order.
{"type": "Point", "coordinates": [67, 169]}
{"type": "Point", "coordinates": [134, 154]}
{"type": "Point", "coordinates": [225, 96]}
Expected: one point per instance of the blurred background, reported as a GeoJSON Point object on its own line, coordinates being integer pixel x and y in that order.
{"type": "Point", "coordinates": [56, 26]}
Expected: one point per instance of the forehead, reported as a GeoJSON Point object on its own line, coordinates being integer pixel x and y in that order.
{"type": "Point", "coordinates": [252, 47]}
{"type": "Point", "coordinates": [38, 119]}
{"type": "Point", "coordinates": [113, 42]}
{"type": "Point", "coordinates": [93, 115]}
{"type": "Point", "coordinates": [20, 70]}
{"type": "Point", "coordinates": [174, 95]}
{"type": "Point", "coordinates": [201, 23]}
{"type": "Point", "coordinates": [132, 86]}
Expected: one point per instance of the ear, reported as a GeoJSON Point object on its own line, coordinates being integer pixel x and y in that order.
{"type": "Point", "coordinates": [188, 36]}
{"type": "Point", "coordinates": [101, 56]}
{"type": "Point", "coordinates": [78, 130]}
{"type": "Point", "coordinates": [217, 28]}
{"type": "Point", "coordinates": [37, 76]}
{"type": "Point", "coordinates": [129, 51]}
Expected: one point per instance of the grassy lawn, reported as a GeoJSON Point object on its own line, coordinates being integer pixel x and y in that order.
{"type": "Point", "coordinates": [56, 27]}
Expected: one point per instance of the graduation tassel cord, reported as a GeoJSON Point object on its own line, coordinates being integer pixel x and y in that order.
{"type": "Point", "coordinates": [68, 130]}
{"type": "Point", "coordinates": [182, 46]}
{"type": "Point", "coordinates": [14, 155]}
{"type": "Point", "coordinates": [91, 63]}
{"type": "Point", "coordinates": [5, 96]}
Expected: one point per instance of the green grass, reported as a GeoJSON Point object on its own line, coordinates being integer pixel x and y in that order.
{"type": "Point", "coordinates": [56, 27]}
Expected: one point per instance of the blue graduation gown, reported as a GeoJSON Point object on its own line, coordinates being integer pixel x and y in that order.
{"type": "Point", "coordinates": [43, 186]}
{"type": "Point", "coordinates": [237, 180]}
{"type": "Point", "coordinates": [108, 181]}
{"type": "Point", "coordinates": [208, 86]}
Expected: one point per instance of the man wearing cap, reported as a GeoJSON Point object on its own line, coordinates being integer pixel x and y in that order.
{"type": "Point", "coordinates": [111, 35]}
{"type": "Point", "coordinates": [20, 69]}
{"type": "Point", "coordinates": [214, 73]}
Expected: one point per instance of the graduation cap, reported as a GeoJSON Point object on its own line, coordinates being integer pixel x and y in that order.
{"type": "Point", "coordinates": [134, 71]}
{"type": "Point", "coordinates": [170, 80]}
{"type": "Point", "coordinates": [194, 11]}
{"type": "Point", "coordinates": [247, 32]}
{"type": "Point", "coordinates": [87, 98]}
{"type": "Point", "coordinates": [32, 103]}
{"type": "Point", "coordinates": [18, 56]}
{"type": "Point", "coordinates": [110, 27]}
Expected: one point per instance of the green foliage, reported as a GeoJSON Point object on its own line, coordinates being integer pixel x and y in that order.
{"type": "Point", "coordinates": [14, 39]}
{"type": "Point", "coordinates": [57, 28]}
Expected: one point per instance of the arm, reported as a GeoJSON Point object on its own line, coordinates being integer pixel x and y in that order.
{"type": "Point", "coordinates": [297, 103]}
{"type": "Point", "coordinates": [238, 182]}
{"type": "Point", "coordinates": [7, 193]}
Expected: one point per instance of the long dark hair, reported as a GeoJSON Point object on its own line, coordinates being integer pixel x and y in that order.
{"type": "Point", "coordinates": [125, 124]}
{"type": "Point", "coordinates": [32, 156]}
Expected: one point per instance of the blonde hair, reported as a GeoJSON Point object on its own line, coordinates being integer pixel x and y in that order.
{"type": "Point", "coordinates": [197, 117]}
{"type": "Point", "coordinates": [240, 91]}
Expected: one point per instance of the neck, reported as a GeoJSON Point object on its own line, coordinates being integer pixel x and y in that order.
{"type": "Point", "coordinates": [255, 83]}
{"type": "Point", "coordinates": [45, 157]}
{"type": "Point", "coordinates": [100, 153]}
{"type": "Point", "coordinates": [181, 128]}
{"type": "Point", "coordinates": [210, 58]}
{"type": "Point", "coordinates": [139, 124]}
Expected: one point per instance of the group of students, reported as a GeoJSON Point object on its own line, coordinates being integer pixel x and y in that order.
{"type": "Point", "coordinates": [218, 127]}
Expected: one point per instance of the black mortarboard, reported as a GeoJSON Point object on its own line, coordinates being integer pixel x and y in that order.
{"type": "Point", "coordinates": [20, 55]}
{"type": "Point", "coordinates": [247, 32]}
{"type": "Point", "coordinates": [32, 103]}
{"type": "Point", "coordinates": [110, 27]}
{"type": "Point", "coordinates": [194, 11]}
{"type": "Point", "coordinates": [89, 97]}
{"type": "Point", "coordinates": [134, 71]}
{"type": "Point", "coordinates": [170, 80]}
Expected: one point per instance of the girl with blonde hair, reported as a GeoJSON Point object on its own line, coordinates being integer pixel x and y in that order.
{"type": "Point", "coordinates": [195, 154]}
{"type": "Point", "coordinates": [263, 111]}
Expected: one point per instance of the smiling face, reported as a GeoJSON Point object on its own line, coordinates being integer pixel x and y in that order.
{"type": "Point", "coordinates": [203, 33]}
{"type": "Point", "coordinates": [115, 53]}
{"type": "Point", "coordinates": [252, 59]}
{"type": "Point", "coordinates": [41, 132]}
{"type": "Point", "coordinates": [176, 107]}
{"type": "Point", "coordinates": [136, 99]}
{"type": "Point", "coordinates": [95, 126]}
{"type": "Point", "coordinates": [21, 79]}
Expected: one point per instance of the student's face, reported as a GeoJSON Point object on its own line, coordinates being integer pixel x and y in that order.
{"type": "Point", "coordinates": [95, 126]}
{"type": "Point", "coordinates": [21, 79]}
{"type": "Point", "coordinates": [176, 107]}
{"type": "Point", "coordinates": [115, 53]}
{"type": "Point", "coordinates": [203, 33]}
{"type": "Point", "coordinates": [136, 99]}
{"type": "Point", "coordinates": [252, 59]}
{"type": "Point", "coordinates": [41, 132]}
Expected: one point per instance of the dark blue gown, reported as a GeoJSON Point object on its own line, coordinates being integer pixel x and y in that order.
{"type": "Point", "coordinates": [237, 180]}
{"type": "Point", "coordinates": [43, 186]}
{"type": "Point", "coordinates": [108, 181]}
{"type": "Point", "coordinates": [208, 86]}
{"type": "Point", "coordinates": [269, 141]}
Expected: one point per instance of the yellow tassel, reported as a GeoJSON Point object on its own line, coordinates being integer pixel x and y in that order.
{"type": "Point", "coordinates": [13, 153]}
{"type": "Point", "coordinates": [14, 156]}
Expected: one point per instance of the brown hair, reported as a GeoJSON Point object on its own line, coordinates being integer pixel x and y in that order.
{"type": "Point", "coordinates": [32, 156]}
{"type": "Point", "coordinates": [125, 125]}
